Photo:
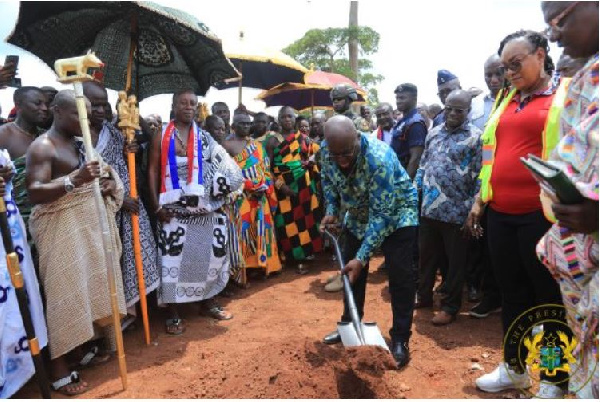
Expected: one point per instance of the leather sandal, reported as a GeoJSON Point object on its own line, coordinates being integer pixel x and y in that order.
{"type": "Point", "coordinates": [175, 326]}
{"type": "Point", "coordinates": [70, 385]}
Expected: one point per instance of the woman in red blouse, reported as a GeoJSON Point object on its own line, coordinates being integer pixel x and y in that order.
{"type": "Point", "coordinates": [515, 221]}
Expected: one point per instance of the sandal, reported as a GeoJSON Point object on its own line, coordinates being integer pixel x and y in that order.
{"type": "Point", "coordinates": [70, 385]}
{"type": "Point", "coordinates": [218, 313]}
{"type": "Point", "coordinates": [91, 359]}
{"type": "Point", "coordinates": [175, 326]}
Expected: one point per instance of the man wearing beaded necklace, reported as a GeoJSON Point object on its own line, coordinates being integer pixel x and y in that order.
{"type": "Point", "coordinates": [17, 136]}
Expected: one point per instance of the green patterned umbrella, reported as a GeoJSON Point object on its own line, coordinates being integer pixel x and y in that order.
{"type": "Point", "coordinates": [173, 50]}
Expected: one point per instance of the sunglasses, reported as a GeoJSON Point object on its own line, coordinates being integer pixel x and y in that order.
{"type": "Point", "coordinates": [516, 65]}
{"type": "Point", "coordinates": [555, 23]}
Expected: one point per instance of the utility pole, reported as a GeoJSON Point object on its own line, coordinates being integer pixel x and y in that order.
{"type": "Point", "coordinates": [353, 42]}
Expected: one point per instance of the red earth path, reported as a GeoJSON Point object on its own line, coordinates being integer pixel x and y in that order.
{"type": "Point", "coordinates": [272, 349]}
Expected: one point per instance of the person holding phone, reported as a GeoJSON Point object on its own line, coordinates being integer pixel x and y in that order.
{"type": "Point", "coordinates": [8, 72]}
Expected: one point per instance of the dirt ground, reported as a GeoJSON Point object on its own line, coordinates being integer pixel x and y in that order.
{"type": "Point", "coordinates": [272, 349]}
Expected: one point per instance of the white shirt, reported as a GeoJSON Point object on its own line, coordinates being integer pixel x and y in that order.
{"type": "Point", "coordinates": [387, 135]}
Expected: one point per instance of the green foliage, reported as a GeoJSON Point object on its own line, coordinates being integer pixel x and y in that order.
{"type": "Point", "coordinates": [327, 49]}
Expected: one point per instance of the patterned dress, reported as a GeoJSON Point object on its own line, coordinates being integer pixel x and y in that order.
{"type": "Point", "coordinates": [256, 231]}
{"type": "Point", "coordinates": [110, 147]}
{"type": "Point", "coordinates": [572, 258]}
{"type": "Point", "coordinates": [298, 217]}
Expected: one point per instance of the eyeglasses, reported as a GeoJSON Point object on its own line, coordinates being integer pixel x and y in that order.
{"type": "Point", "coordinates": [555, 23]}
{"type": "Point", "coordinates": [516, 65]}
{"type": "Point", "coordinates": [346, 155]}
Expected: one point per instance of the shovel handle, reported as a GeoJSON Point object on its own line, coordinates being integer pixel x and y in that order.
{"type": "Point", "coordinates": [347, 290]}
{"type": "Point", "coordinates": [336, 246]}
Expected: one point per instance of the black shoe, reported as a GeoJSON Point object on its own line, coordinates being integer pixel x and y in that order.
{"type": "Point", "coordinates": [473, 294]}
{"type": "Point", "coordinates": [484, 308]}
{"type": "Point", "coordinates": [332, 338]}
{"type": "Point", "coordinates": [420, 303]}
{"type": "Point", "coordinates": [401, 353]}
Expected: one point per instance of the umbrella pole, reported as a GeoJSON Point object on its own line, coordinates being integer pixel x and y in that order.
{"type": "Point", "coordinates": [106, 240]}
{"type": "Point", "coordinates": [240, 85]}
{"type": "Point", "coordinates": [135, 222]}
{"type": "Point", "coordinates": [16, 276]}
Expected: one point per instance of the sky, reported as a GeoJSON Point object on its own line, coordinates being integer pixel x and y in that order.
{"type": "Point", "coordinates": [417, 38]}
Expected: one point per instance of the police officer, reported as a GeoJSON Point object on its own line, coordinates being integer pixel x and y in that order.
{"type": "Point", "coordinates": [408, 135]}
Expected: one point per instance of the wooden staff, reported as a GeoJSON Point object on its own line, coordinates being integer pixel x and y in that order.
{"type": "Point", "coordinates": [16, 277]}
{"type": "Point", "coordinates": [128, 125]}
{"type": "Point", "coordinates": [80, 65]}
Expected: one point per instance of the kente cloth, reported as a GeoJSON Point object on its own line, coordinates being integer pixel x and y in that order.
{"type": "Point", "coordinates": [110, 146]}
{"type": "Point", "coordinates": [572, 258]}
{"type": "Point", "coordinates": [193, 246]}
{"type": "Point", "coordinates": [254, 211]}
{"type": "Point", "coordinates": [16, 364]}
{"type": "Point", "coordinates": [171, 184]}
{"type": "Point", "coordinates": [298, 217]}
{"type": "Point", "coordinates": [20, 189]}
{"type": "Point", "coordinates": [236, 257]}
{"type": "Point", "coordinates": [73, 265]}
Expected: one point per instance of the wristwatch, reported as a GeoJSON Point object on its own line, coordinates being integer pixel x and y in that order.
{"type": "Point", "coordinates": [69, 184]}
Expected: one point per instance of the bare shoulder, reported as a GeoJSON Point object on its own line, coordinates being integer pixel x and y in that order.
{"type": "Point", "coordinates": [42, 148]}
{"type": "Point", "coordinates": [5, 132]}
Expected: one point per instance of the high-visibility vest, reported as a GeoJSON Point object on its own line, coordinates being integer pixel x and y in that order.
{"type": "Point", "coordinates": [550, 135]}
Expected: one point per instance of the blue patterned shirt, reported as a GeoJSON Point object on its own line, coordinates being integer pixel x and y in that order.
{"type": "Point", "coordinates": [377, 195]}
{"type": "Point", "coordinates": [448, 171]}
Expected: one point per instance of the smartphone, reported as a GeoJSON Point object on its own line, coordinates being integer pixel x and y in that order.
{"type": "Point", "coordinates": [13, 60]}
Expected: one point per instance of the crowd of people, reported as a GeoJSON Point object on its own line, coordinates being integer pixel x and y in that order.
{"type": "Point", "coordinates": [225, 200]}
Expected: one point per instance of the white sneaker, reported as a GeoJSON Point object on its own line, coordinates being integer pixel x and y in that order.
{"type": "Point", "coordinates": [502, 379]}
{"type": "Point", "coordinates": [549, 391]}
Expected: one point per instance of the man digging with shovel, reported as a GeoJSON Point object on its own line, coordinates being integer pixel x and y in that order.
{"type": "Point", "coordinates": [364, 177]}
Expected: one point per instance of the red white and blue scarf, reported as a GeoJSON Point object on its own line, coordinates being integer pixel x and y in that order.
{"type": "Point", "coordinates": [171, 188]}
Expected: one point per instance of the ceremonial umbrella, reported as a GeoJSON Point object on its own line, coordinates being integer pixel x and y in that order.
{"type": "Point", "coordinates": [313, 92]}
{"type": "Point", "coordinates": [323, 78]}
{"type": "Point", "coordinates": [173, 50]}
{"type": "Point", "coordinates": [301, 96]}
{"type": "Point", "coordinates": [260, 66]}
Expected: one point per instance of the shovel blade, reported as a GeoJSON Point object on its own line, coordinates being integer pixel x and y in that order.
{"type": "Point", "coordinates": [370, 331]}
{"type": "Point", "coordinates": [348, 334]}
{"type": "Point", "coordinates": [373, 335]}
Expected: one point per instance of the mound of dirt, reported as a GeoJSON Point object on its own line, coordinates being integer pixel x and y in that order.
{"type": "Point", "coordinates": [309, 369]}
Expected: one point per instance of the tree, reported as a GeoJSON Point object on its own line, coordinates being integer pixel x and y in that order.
{"type": "Point", "coordinates": [326, 49]}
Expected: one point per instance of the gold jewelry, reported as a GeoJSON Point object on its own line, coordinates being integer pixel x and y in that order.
{"type": "Point", "coordinates": [23, 131]}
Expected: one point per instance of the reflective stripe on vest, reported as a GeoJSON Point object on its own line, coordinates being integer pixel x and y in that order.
{"type": "Point", "coordinates": [550, 135]}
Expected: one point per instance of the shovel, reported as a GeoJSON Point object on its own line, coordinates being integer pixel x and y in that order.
{"type": "Point", "coordinates": [355, 333]}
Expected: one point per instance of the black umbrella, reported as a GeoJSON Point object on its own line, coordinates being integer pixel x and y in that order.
{"type": "Point", "coordinates": [174, 50]}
